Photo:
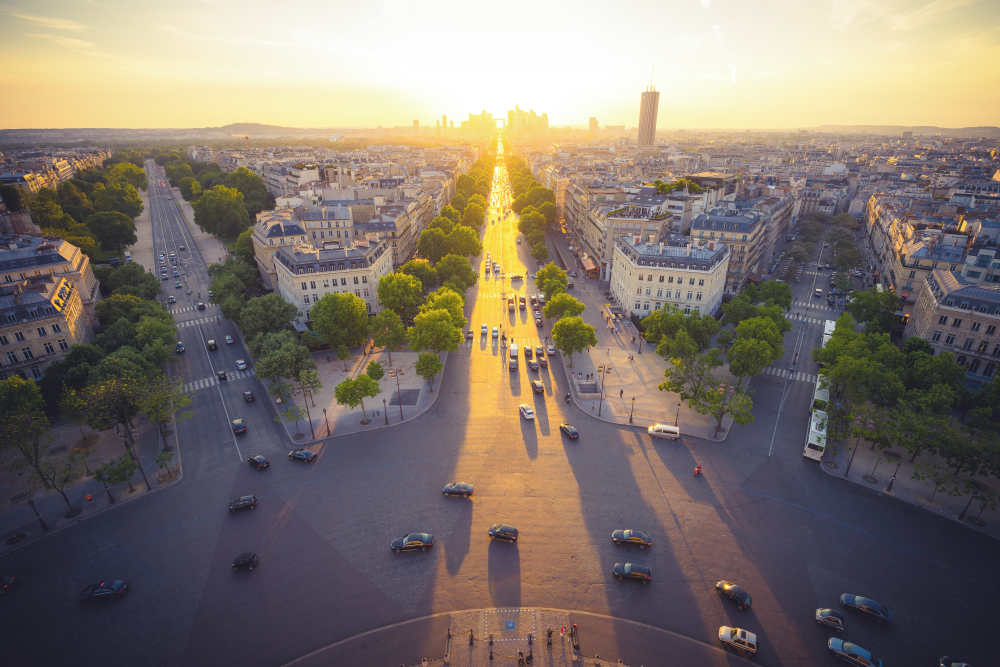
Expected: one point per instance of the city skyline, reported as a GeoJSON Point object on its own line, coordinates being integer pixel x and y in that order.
{"type": "Point", "coordinates": [720, 64]}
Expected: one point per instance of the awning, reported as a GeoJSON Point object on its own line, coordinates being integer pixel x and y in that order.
{"type": "Point", "coordinates": [754, 277]}
{"type": "Point", "coordinates": [588, 264]}
{"type": "Point", "coordinates": [904, 295]}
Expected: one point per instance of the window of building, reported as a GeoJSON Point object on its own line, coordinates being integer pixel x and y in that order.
{"type": "Point", "coordinates": [913, 274]}
{"type": "Point", "coordinates": [973, 274]}
{"type": "Point", "coordinates": [957, 323]}
{"type": "Point", "coordinates": [659, 292]}
{"type": "Point", "coordinates": [943, 319]}
{"type": "Point", "coordinates": [305, 298]}
{"type": "Point", "coordinates": [36, 372]}
{"type": "Point", "coordinates": [990, 330]}
{"type": "Point", "coordinates": [304, 286]}
{"type": "Point", "coordinates": [326, 283]}
{"type": "Point", "coordinates": [48, 348]}
{"type": "Point", "coordinates": [640, 277]}
{"type": "Point", "coordinates": [908, 286]}
{"type": "Point", "coordinates": [638, 291]}
{"type": "Point", "coordinates": [56, 328]}
{"type": "Point", "coordinates": [950, 339]}
{"type": "Point", "coordinates": [988, 371]}
{"type": "Point", "coordinates": [690, 281]}
{"type": "Point", "coordinates": [974, 366]}
{"type": "Point", "coordinates": [27, 353]}
{"type": "Point", "coordinates": [11, 358]}
{"type": "Point", "coordinates": [343, 281]}
{"type": "Point", "coordinates": [357, 293]}
{"type": "Point", "coordinates": [983, 347]}
{"type": "Point", "coordinates": [312, 284]}
{"type": "Point", "coordinates": [364, 279]}
{"type": "Point", "coordinates": [690, 294]}
{"type": "Point", "coordinates": [62, 344]}
{"type": "Point", "coordinates": [701, 282]}
{"type": "Point", "coordinates": [968, 344]}
{"type": "Point", "coordinates": [975, 326]}
{"type": "Point", "coordinates": [355, 280]}
{"type": "Point", "coordinates": [936, 337]}
{"type": "Point", "coordinates": [698, 297]}
{"type": "Point", "coordinates": [637, 306]}
{"type": "Point", "coordinates": [18, 336]}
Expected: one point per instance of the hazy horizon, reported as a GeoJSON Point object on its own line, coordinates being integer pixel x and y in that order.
{"type": "Point", "coordinates": [719, 64]}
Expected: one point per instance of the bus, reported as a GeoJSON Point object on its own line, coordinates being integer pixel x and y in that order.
{"type": "Point", "coordinates": [816, 432]}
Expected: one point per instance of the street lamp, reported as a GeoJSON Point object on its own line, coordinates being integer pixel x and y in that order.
{"type": "Point", "coordinates": [975, 492]}
{"type": "Point", "coordinates": [399, 397]}
{"type": "Point", "coordinates": [631, 411]}
{"type": "Point", "coordinates": [327, 422]}
{"type": "Point", "coordinates": [386, 411]}
{"type": "Point", "coordinates": [677, 419]}
{"type": "Point", "coordinates": [892, 479]}
{"type": "Point", "coordinates": [31, 503]}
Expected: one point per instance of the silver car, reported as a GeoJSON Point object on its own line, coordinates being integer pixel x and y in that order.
{"type": "Point", "coordinates": [832, 618]}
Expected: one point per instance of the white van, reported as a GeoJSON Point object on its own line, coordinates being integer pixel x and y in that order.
{"type": "Point", "coordinates": [512, 357]}
{"type": "Point", "coordinates": [668, 431]}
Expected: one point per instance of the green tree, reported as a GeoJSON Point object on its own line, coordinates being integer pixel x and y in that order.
{"type": "Point", "coordinates": [152, 331]}
{"type": "Point", "coordinates": [13, 198]}
{"type": "Point", "coordinates": [572, 335]}
{"type": "Point", "coordinates": [388, 331]}
{"type": "Point", "coordinates": [190, 188]}
{"type": "Point", "coordinates": [220, 211]}
{"type": "Point", "coordinates": [876, 310]}
{"type": "Point", "coordinates": [689, 368]}
{"type": "Point", "coordinates": [758, 345]}
{"type": "Point", "coordinates": [340, 319]}
{"type": "Point", "coordinates": [116, 307]}
{"type": "Point", "coordinates": [435, 330]}
{"type": "Point", "coordinates": [118, 471]}
{"type": "Point", "coordinates": [452, 214]}
{"type": "Point", "coordinates": [131, 278]}
{"type": "Point", "coordinates": [464, 241]}
{"type": "Point", "coordinates": [539, 252]}
{"type": "Point", "coordinates": [447, 299]}
{"type": "Point", "coordinates": [112, 229]}
{"type": "Point", "coordinates": [428, 365]}
{"type": "Point", "coordinates": [549, 210]}
{"type": "Point", "coordinates": [162, 399]}
{"type": "Point", "coordinates": [422, 270]}
{"type": "Point", "coordinates": [433, 245]}
{"type": "Point", "coordinates": [47, 213]}
{"type": "Point", "coordinates": [74, 201]}
{"type": "Point", "coordinates": [726, 399]}
{"type": "Point", "coordinates": [473, 216]}
{"type": "Point", "coordinates": [400, 293]}
{"type": "Point", "coordinates": [280, 354]}
{"type": "Point", "coordinates": [244, 247]}
{"type": "Point", "coordinates": [458, 267]}
{"type": "Point", "coordinates": [118, 196]}
{"type": "Point", "coordinates": [252, 188]}
{"type": "Point", "coordinates": [352, 392]}
{"type": "Point", "coordinates": [664, 324]}
{"type": "Point", "coordinates": [374, 370]}
{"type": "Point", "coordinates": [551, 272]}
{"type": "Point", "coordinates": [131, 174]}
{"type": "Point", "coordinates": [458, 203]}
{"type": "Point", "coordinates": [266, 314]}
{"type": "Point", "coordinates": [563, 305]}
{"type": "Point", "coordinates": [443, 223]}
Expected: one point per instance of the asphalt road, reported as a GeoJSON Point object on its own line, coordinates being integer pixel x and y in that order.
{"type": "Point", "coordinates": [793, 536]}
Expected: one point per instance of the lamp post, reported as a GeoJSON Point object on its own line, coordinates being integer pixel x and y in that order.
{"type": "Point", "coordinates": [327, 421]}
{"type": "Point", "coordinates": [399, 398]}
{"type": "Point", "coordinates": [386, 411]}
{"type": "Point", "coordinates": [31, 503]}
{"type": "Point", "coordinates": [631, 411]}
{"type": "Point", "coordinates": [975, 492]}
{"type": "Point", "coordinates": [601, 404]}
{"type": "Point", "coordinates": [677, 419]}
{"type": "Point", "coordinates": [892, 479]}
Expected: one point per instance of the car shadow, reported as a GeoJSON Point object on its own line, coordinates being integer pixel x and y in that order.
{"type": "Point", "coordinates": [504, 574]}
{"type": "Point", "coordinates": [529, 435]}
{"type": "Point", "coordinates": [460, 537]}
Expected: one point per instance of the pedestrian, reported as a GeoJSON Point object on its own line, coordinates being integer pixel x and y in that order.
{"type": "Point", "coordinates": [592, 406]}
{"type": "Point", "coordinates": [90, 498]}
{"type": "Point", "coordinates": [621, 392]}
{"type": "Point", "coordinates": [378, 413]}
{"type": "Point", "coordinates": [373, 414]}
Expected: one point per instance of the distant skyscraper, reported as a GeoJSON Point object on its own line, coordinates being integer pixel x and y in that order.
{"type": "Point", "coordinates": [444, 121]}
{"type": "Point", "coordinates": [647, 117]}
{"type": "Point", "coordinates": [593, 124]}
{"type": "Point", "coordinates": [416, 124]}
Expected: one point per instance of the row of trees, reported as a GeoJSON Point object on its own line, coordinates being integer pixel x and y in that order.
{"type": "Point", "coordinates": [904, 399]}
{"type": "Point", "coordinates": [534, 203]}
{"type": "Point", "coordinates": [94, 210]}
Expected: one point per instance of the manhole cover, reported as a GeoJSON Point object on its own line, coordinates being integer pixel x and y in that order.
{"type": "Point", "coordinates": [14, 539]}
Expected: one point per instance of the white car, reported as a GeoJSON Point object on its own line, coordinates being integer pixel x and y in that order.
{"type": "Point", "coordinates": [550, 350]}
{"type": "Point", "coordinates": [484, 329]}
{"type": "Point", "coordinates": [526, 411]}
{"type": "Point", "coordinates": [738, 639]}
{"type": "Point", "coordinates": [496, 332]}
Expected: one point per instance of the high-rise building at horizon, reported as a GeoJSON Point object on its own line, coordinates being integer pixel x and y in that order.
{"type": "Point", "coordinates": [444, 121]}
{"type": "Point", "coordinates": [647, 116]}
{"type": "Point", "coordinates": [593, 124]}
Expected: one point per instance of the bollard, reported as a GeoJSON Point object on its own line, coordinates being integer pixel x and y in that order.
{"type": "Point", "coordinates": [491, 639]}
{"type": "Point", "coordinates": [491, 655]}
{"type": "Point", "coordinates": [530, 638]}
{"type": "Point", "coordinates": [548, 639]}
{"type": "Point", "coordinates": [472, 639]}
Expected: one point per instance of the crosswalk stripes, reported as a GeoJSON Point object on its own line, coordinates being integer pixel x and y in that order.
{"type": "Point", "coordinates": [178, 311]}
{"type": "Point", "coordinates": [794, 375]}
{"type": "Point", "coordinates": [518, 340]}
{"type": "Point", "coordinates": [211, 382]}
{"type": "Point", "coordinates": [191, 323]}
{"type": "Point", "coordinates": [812, 304]}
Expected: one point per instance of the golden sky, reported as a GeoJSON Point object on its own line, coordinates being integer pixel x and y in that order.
{"type": "Point", "coordinates": [718, 63]}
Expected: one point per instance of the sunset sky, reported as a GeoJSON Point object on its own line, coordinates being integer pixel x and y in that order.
{"type": "Point", "coordinates": [718, 63]}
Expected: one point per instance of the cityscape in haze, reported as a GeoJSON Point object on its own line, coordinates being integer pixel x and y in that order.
{"type": "Point", "coordinates": [329, 337]}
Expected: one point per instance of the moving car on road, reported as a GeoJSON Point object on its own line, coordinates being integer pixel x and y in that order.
{"type": "Point", "coordinates": [738, 639]}
{"type": "Point", "coordinates": [503, 532]}
{"type": "Point", "coordinates": [630, 536]}
{"type": "Point", "coordinates": [457, 489]}
{"type": "Point", "coordinates": [221, 375]}
{"type": "Point", "coordinates": [201, 306]}
{"type": "Point", "coordinates": [177, 283]}
{"type": "Point", "coordinates": [229, 339]}
{"type": "Point", "coordinates": [239, 426]}
{"type": "Point", "coordinates": [550, 350]}
{"type": "Point", "coordinates": [245, 561]}
{"type": "Point", "coordinates": [179, 347]}
{"type": "Point", "coordinates": [412, 542]}
{"type": "Point", "coordinates": [302, 455]}
{"type": "Point", "coordinates": [243, 503]}
{"type": "Point", "coordinates": [496, 332]}
{"type": "Point", "coordinates": [248, 396]}
{"type": "Point", "coordinates": [6, 583]}
{"type": "Point", "coordinates": [106, 590]}
{"type": "Point", "coordinates": [537, 386]}
{"type": "Point", "coordinates": [212, 345]}
{"type": "Point", "coordinates": [241, 365]}
{"type": "Point", "coordinates": [570, 431]}
{"type": "Point", "coordinates": [852, 653]}
{"type": "Point", "coordinates": [171, 299]}
{"type": "Point", "coordinates": [735, 593]}
{"type": "Point", "coordinates": [258, 461]}
{"type": "Point", "coordinates": [526, 411]}
{"type": "Point", "coordinates": [868, 607]}
{"type": "Point", "coordinates": [633, 571]}
{"type": "Point", "coordinates": [533, 365]}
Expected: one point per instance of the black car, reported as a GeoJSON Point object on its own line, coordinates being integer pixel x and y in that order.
{"type": "Point", "coordinates": [248, 396]}
{"type": "Point", "coordinates": [867, 607]}
{"type": "Point", "coordinates": [734, 593]}
{"type": "Point", "coordinates": [457, 489]}
{"type": "Point", "coordinates": [212, 345]}
{"type": "Point", "coordinates": [6, 583]}
{"type": "Point", "coordinates": [302, 455]}
{"type": "Point", "coordinates": [533, 365]}
{"type": "Point", "coordinates": [536, 385]}
{"type": "Point", "coordinates": [412, 542]}
{"type": "Point", "coordinates": [633, 571]}
{"type": "Point", "coordinates": [201, 306]}
{"type": "Point", "coordinates": [239, 426]}
{"type": "Point", "coordinates": [221, 375]}
{"type": "Point", "coordinates": [104, 590]}
{"type": "Point", "coordinates": [245, 561]}
{"type": "Point", "coordinates": [258, 461]}
{"type": "Point", "coordinates": [243, 503]}
{"type": "Point", "coordinates": [501, 531]}
{"type": "Point", "coordinates": [629, 536]}
{"type": "Point", "coordinates": [570, 431]}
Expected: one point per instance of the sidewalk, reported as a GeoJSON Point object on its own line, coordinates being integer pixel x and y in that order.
{"type": "Point", "coordinates": [19, 525]}
{"type": "Point", "coordinates": [343, 420]}
{"type": "Point", "coordinates": [870, 472]}
{"type": "Point", "coordinates": [212, 248]}
{"type": "Point", "coordinates": [638, 377]}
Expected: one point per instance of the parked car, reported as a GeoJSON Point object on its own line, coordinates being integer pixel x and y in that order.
{"type": "Point", "coordinates": [243, 503]}
{"type": "Point", "coordinates": [831, 618]}
{"type": "Point", "coordinates": [738, 639]}
{"type": "Point", "coordinates": [105, 590]}
{"type": "Point", "coordinates": [245, 561]}
{"type": "Point", "coordinates": [258, 461]}
{"type": "Point", "coordinates": [458, 489]}
{"type": "Point", "coordinates": [633, 571]}
{"type": "Point", "coordinates": [503, 532]}
{"type": "Point", "coordinates": [852, 653]}
{"type": "Point", "coordinates": [868, 607]}
{"type": "Point", "coordinates": [734, 593]}
{"type": "Point", "coordinates": [412, 542]}
{"type": "Point", "coordinates": [630, 536]}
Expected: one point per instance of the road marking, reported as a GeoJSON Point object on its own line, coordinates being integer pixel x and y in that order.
{"type": "Point", "coordinates": [792, 375]}
{"type": "Point", "coordinates": [209, 382]}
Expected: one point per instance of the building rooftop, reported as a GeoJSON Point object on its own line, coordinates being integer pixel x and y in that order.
{"type": "Point", "coordinates": [951, 286]}
{"type": "Point", "coordinates": [675, 249]}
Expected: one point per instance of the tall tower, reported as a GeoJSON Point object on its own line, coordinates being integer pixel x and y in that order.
{"type": "Point", "coordinates": [647, 116]}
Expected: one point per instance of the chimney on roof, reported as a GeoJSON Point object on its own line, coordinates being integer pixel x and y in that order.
{"type": "Point", "coordinates": [688, 251]}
